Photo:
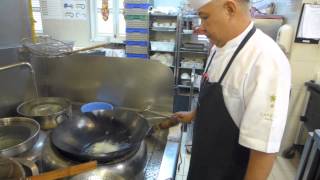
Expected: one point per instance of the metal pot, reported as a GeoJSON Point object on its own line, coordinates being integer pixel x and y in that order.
{"type": "Point", "coordinates": [48, 111]}
{"type": "Point", "coordinates": [11, 168]}
{"type": "Point", "coordinates": [17, 135]}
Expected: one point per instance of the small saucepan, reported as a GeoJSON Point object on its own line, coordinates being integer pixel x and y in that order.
{"type": "Point", "coordinates": [48, 111]}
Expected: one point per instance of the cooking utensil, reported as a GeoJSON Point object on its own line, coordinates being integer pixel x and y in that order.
{"type": "Point", "coordinates": [166, 124]}
{"type": "Point", "coordinates": [101, 135]}
{"type": "Point", "coordinates": [11, 169]}
{"type": "Point", "coordinates": [169, 116]}
{"type": "Point", "coordinates": [48, 111]}
{"type": "Point", "coordinates": [17, 135]}
{"type": "Point", "coordinates": [85, 49]}
{"type": "Point", "coordinates": [161, 114]}
{"type": "Point", "coordinates": [65, 172]}
{"type": "Point", "coordinates": [49, 47]}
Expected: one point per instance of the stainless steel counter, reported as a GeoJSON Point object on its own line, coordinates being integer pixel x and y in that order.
{"type": "Point", "coordinates": [162, 153]}
{"type": "Point", "coordinates": [130, 83]}
{"type": "Point", "coordinates": [162, 156]}
{"type": "Point", "coordinates": [155, 151]}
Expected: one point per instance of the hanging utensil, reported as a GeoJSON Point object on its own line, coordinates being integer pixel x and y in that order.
{"type": "Point", "coordinates": [85, 49]}
{"type": "Point", "coordinates": [65, 172]}
{"type": "Point", "coordinates": [45, 46]}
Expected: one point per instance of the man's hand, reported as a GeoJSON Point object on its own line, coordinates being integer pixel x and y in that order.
{"type": "Point", "coordinates": [185, 117]}
{"type": "Point", "coordinates": [260, 165]}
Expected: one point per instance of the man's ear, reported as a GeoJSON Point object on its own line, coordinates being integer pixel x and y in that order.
{"type": "Point", "coordinates": [230, 7]}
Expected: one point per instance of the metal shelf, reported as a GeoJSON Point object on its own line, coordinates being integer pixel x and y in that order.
{"type": "Point", "coordinates": [164, 15]}
{"type": "Point", "coordinates": [162, 51]}
{"type": "Point", "coordinates": [163, 29]}
{"type": "Point", "coordinates": [187, 87]}
{"type": "Point", "coordinates": [187, 94]}
{"type": "Point", "coordinates": [196, 52]}
{"type": "Point", "coordinates": [190, 49]}
{"type": "Point", "coordinates": [183, 36]}
{"type": "Point", "coordinates": [187, 34]}
{"type": "Point", "coordinates": [191, 68]}
{"type": "Point", "coordinates": [190, 17]}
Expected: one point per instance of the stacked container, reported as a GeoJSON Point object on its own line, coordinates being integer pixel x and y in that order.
{"type": "Point", "coordinates": [137, 28]}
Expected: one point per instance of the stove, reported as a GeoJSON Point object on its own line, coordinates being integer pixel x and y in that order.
{"type": "Point", "coordinates": [147, 162]}
{"type": "Point", "coordinates": [128, 167]}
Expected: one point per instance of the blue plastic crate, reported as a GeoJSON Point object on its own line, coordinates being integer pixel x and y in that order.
{"type": "Point", "coordinates": [137, 43]}
{"type": "Point", "coordinates": [139, 56]}
{"type": "Point", "coordinates": [137, 6]}
{"type": "Point", "coordinates": [137, 30]}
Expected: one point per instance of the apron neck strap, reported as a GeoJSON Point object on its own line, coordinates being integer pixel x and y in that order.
{"type": "Point", "coordinates": [242, 44]}
{"type": "Point", "coordinates": [207, 68]}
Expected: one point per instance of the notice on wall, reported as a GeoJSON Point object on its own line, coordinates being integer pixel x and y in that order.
{"type": "Point", "coordinates": [310, 22]}
{"type": "Point", "coordinates": [64, 9]}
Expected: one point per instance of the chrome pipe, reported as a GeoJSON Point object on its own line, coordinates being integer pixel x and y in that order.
{"type": "Point", "coordinates": [23, 64]}
{"type": "Point", "coordinates": [3, 68]}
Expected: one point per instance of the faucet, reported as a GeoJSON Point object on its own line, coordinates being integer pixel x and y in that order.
{"type": "Point", "coordinates": [3, 68]}
{"type": "Point", "coordinates": [29, 66]}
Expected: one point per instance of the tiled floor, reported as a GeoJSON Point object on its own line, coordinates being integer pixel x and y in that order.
{"type": "Point", "coordinates": [282, 170]}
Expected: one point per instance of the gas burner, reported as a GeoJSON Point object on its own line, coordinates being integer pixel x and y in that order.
{"type": "Point", "coordinates": [70, 158]}
{"type": "Point", "coordinates": [129, 166]}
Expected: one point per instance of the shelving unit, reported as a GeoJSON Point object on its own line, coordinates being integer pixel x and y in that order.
{"type": "Point", "coordinates": [161, 32]}
{"type": "Point", "coordinates": [162, 51]}
{"type": "Point", "coordinates": [137, 28]}
{"type": "Point", "coordinates": [185, 36]}
{"type": "Point", "coordinates": [182, 34]}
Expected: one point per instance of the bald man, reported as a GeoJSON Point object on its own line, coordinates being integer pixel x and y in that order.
{"type": "Point", "coordinates": [243, 100]}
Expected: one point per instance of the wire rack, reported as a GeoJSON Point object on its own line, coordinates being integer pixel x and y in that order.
{"type": "Point", "coordinates": [46, 46]}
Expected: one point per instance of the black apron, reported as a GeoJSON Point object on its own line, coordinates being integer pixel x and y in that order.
{"type": "Point", "coordinates": [216, 153]}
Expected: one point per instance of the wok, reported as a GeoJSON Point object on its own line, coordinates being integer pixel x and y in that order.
{"type": "Point", "coordinates": [103, 135]}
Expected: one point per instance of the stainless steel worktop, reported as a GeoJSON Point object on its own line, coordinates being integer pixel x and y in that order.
{"type": "Point", "coordinates": [155, 151]}
{"type": "Point", "coordinates": [130, 83]}
{"type": "Point", "coordinates": [162, 153]}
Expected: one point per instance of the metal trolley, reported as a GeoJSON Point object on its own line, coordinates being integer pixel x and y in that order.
{"type": "Point", "coordinates": [309, 167]}
{"type": "Point", "coordinates": [309, 120]}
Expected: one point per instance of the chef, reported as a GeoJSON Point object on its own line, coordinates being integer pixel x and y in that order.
{"type": "Point", "coordinates": [243, 100]}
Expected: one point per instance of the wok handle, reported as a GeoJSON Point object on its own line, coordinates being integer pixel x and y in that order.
{"type": "Point", "coordinates": [65, 172]}
{"type": "Point", "coordinates": [58, 119]}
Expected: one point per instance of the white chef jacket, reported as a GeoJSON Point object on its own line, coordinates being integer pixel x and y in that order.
{"type": "Point", "coordinates": [255, 89]}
